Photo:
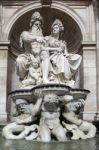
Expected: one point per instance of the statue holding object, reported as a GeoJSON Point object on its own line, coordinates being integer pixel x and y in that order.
{"type": "Point", "coordinates": [46, 53]}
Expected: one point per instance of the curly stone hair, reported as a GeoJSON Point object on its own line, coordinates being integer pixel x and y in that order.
{"type": "Point", "coordinates": [51, 98]}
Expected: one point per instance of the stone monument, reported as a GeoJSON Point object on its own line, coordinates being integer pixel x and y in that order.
{"type": "Point", "coordinates": [48, 105]}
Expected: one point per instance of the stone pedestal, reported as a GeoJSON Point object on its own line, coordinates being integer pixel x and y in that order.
{"type": "Point", "coordinates": [3, 81]}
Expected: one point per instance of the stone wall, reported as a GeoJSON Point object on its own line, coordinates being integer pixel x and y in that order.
{"type": "Point", "coordinates": [79, 20]}
{"type": "Point", "coordinates": [3, 82]}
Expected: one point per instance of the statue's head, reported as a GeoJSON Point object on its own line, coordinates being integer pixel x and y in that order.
{"type": "Point", "coordinates": [75, 106]}
{"type": "Point", "coordinates": [57, 27]}
{"type": "Point", "coordinates": [51, 102]}
{"type": "Point", "coordinates": [36, 19]}
{"type": "Point", "coordinates": [35, 45]}
{"type": "Point", "coordinates": [22, 106]}
{"type": "Point", "coordinates": [35, 65]}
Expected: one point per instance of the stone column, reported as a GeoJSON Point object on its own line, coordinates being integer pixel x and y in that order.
{"type": "Point", "coordinates": [89, 79]}
{"type": "Point", "coordinates": [3, 81]}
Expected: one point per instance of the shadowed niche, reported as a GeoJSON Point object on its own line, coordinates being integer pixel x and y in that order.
{"type": "Point", "coordinates": [72, 33]}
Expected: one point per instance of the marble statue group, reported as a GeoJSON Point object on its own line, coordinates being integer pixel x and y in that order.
{"type": "Point", "coordinates": [46, 59]}
{"type": "Point", "coordinates": [47, 67]}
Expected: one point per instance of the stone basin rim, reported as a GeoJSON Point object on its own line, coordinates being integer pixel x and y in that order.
{"type": "Point", "coordinates": [71, 90]}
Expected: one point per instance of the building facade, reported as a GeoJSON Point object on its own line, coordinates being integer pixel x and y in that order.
{"type": "Point", "coordinates": [81, 23]}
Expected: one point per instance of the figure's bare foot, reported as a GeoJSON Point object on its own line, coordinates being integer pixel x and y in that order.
{"type": "Point", "coordinates": [46, 81]}
{"type": "Point", "coordinates": [70, 83]}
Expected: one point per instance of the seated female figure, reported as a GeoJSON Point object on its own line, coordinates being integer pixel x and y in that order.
{"type": "Point", "coordinates": [63, 64]}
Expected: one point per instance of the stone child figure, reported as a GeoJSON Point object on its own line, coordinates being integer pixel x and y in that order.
{"type": "Point", "coordinates": [34, 76]}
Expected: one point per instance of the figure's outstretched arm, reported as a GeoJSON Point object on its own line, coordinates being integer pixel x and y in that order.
{"type": "Point", "coordinates": [27, 37]}
{"type": "Point", "coordinates": [35, 108]}
{"type": "Point", "coordinates": [51, 48]}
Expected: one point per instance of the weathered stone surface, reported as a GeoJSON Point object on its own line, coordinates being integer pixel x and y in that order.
{"type": "Point", "coordinates": [3, 85]}
{"type": "Point", "coordinates": [73, 35]}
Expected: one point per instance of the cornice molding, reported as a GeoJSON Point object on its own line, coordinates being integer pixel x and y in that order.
{"type": "Point", "coordinates": [69, 2]}
{"type": "Point", "coordinates": [76, 2]}
{"type": "Point", "coordinates": [88, 45]}
{"type": "Point", "coordinates": [4, 45]}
